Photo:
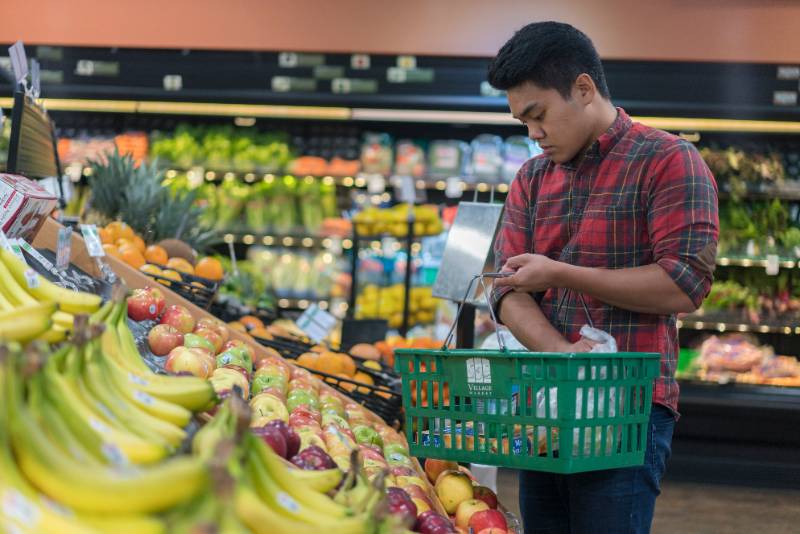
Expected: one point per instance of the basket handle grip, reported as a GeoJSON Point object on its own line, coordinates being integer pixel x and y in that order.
{"type": "Point", "coordinates": [482, 278]}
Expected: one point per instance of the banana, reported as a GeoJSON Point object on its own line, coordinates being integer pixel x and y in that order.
{"type": "Point", "coordinates": [319, 481]}
{"type": "Point", "coordinates": [125, 524]}
{"type": "Point", "coordinates": [262, 519]}
{"type": "Point", "coordinates": [94, 426]}
{"type": "Point", "coordinates": [135, 418]}
{"type": "Point", "coordinates": [96, 491]}
{"type": "Point", "coordinates": [64, 319]}
{"type": "Point", "coordinates": [190, 392]}
{"type": "Point", "coordinates": [206, 439]}
{"type": "Point", "coordinates": [54, 334]}
{"type": "Point", "coordinates": [27, 322]}
{"type": "Point", "coordinates": [68, 300]}
{"type": "Point", "coordinates": [5, 304]}
{"type": "Point", "coordinates": [13, 288]}
{"type": "Point", "coordinates": [277, 471]}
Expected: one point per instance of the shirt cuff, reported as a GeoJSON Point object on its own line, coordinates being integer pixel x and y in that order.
{"type": "Point", "coordinates": [497, 297]}
{"type": "Point", "coordinates": [691, 282]}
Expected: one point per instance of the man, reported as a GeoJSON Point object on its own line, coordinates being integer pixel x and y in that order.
{"type": "Point", "coordinates": [613, 214]}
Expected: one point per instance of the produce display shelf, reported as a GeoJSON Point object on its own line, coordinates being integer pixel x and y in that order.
{"type": "Point", "coordinates": [288, 240]}
{"type": "Point", "coordinates": [695, 322]}
{"type": "Point", "coordinates": [744, 261]}
{"type": "Point", "coordinates": [359, 182]}
{"type": "Point", "coordinates": [766, 191]}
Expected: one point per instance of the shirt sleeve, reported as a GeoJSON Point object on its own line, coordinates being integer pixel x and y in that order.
{"type": "Point", "coordinates": [683, 220]}
{"type": "Point", "coordinates": [515, 234]}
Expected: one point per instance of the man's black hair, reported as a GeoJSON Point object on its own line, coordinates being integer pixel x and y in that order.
{"type": "Point", "coordinates": [549, 54]}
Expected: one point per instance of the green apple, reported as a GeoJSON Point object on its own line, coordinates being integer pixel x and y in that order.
{"type": "Point", "coordinates": [395, 459]}
{"type": "Point", "coordinates": [298, 397]}
{"type": "Point", "coordinates": [229, 357]}
{"type": "Point", "coordinates": [262, 382]}
{"type": "Point", "coordinates": [367, 436]}
{"type": "Point", "coordinates": [244, 352]}
{"type": "Point", "coordinates": [332, 418]}
{"type": "Point", "coordinates": [193, 341]}
{"type": "Point", "coordinates": [395, 447]}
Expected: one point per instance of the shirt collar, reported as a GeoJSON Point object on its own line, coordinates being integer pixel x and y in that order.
{"type": "Point", "coordinates": [608, 140]}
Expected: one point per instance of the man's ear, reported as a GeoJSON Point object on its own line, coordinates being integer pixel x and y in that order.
{"type": "Point", "coordinates": [585, 89]}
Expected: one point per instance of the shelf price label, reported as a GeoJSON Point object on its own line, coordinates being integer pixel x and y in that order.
{"type": "Point", "coordinates": [376, 184]}
{"type": "Point", "coordinates": [453, 187]}
{"type": "Point", "coordinates": [406, 189]}
{"type": "Point", "coordinates": [64, 248]}
{"type": "Point", "coordinates": [19, 61]}
{"type": "Point", "coordinates": [44, 262]}
{"type": "Point", "coordinates": [316, 323]}
{"type": "Point", "coordinates": [772, 264]}
{"type": "Point", "coordinates": [92, 239]}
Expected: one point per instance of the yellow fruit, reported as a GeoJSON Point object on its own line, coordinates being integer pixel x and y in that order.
{"type": "Point", "coordinates": [364, 378]}
{"type": "Point", "coordinates": [370, 364]}
{"type": "Point", "coordinates": [125, 232]}
{"type": "Point", "coordinates": [122, 243]}
{"type": "Point", "coordinates": [180, 264]}
{"type": "Point", "coordinates": [132, 257]}
{"type": "Point", "coordinates": [236, 325]}
{"type": "Point", "coordinates": [310, 360]}
{"type": "Point", "coordinates": [347, 364]}
{"type": "Point", "coordinates": [156, 254]}
{"type": "Point", "coordinates": [172, 275]}
{"type": "Point", "coordinates": [139, 243]}
{"type": "Point", "coordinates": [250, 322]}
{"type": "Point", "coordinates": [111, 250]}
{"type": "Point", "coordinates": [150, 269]}
{"type": "Point", "coordinates": [210, 268]}
{"type": "Point", "coordinates": [106, 236]}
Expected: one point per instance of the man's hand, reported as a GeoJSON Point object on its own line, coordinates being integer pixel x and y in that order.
{"type": "Point", "coordinates": [532, 273]}
{"type": "Point", "coordinates": [582, 345]}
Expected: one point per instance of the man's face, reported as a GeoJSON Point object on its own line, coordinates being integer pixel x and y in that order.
{"type": "Point", "coordinates": [561, 127]}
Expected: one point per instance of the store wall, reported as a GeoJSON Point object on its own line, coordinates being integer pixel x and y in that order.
{"type": "Point", "coordinates": [715, 30]}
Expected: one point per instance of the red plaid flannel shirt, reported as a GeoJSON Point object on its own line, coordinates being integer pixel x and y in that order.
{"type": "Point", "coordinates": [639, 196]}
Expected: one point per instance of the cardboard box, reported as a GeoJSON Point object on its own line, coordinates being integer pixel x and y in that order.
{"type": "Point", "coordinates": [24, 205]}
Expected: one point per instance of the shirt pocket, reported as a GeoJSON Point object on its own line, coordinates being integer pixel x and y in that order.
{"type": "Point", "coordinates": [614, 231]}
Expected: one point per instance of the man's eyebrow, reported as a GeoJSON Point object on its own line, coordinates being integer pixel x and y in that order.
{"type": "Point", "coordinates": [527, 110]}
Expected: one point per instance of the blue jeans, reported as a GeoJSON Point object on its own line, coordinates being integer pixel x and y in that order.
{"type": "Point", "coordinates": [608, 502]}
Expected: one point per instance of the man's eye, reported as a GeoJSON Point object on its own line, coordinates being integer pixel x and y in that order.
{"type": "Point", "coordinates": [539, 117]}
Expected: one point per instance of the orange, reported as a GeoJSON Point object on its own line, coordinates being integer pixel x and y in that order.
{"type": "Point", "coordinates": [347, 364]}
{"type": "Point", "coordinates": [172, 275]}
{"type": "Point", "coordinates": [111, 250]}
{"type": "Point", "coordinates": [329, 363]}
{"type": "Point", "coordinates": [261, 332]}
{"type": "Point", "coordinates": [138, 243]}
{"type": "Point", "coordinates": [106, 236]}
{"type": "Point", "coordinates": [150, 269]}
{"type": "Point", "coordinates": [210, 268]}
{"type": "Point", "coordinates": [132, 257]}
{"type": "Point", "coordinates": [125, 231]}
{"type": "Point", "coordinates": [364, 378]}
{"type": "Point", "coordinates": [113, 229]}
{"type": "Point", "coordinates": [156, 254]}
{"type": "Point", "coordinates": [121, 242]}
{"type": "Point", "coordinates": [347, 386]}
{"type": "Point", "coordinates": [236, 325]}
{"type": "Point", "coordinates": [318, 348]}
{"type": "Point", "coordinates": [180, 264]}
{"type": "Point", "coordinates": [250, 322]}
{"type": "Point", "coordinates": [310, 360]}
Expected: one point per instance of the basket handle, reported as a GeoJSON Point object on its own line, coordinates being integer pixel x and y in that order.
{"type": "Point", "coordinates": [482, 277]}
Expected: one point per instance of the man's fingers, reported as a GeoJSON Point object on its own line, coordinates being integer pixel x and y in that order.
{"type": "Point", "coordinates": [507, 281]}
{"type": "Point", "coordinates": [515, 262]}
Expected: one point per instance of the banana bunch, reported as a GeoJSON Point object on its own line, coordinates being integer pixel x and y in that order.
{"type": "Point", "coordinates": [32, 307]}
{"type": "Point", "coordinates": [170, 398]}
{"type": "Point", "coordinates": [274, 497]}
{"type": "Point", "coordinates": [51, 481]}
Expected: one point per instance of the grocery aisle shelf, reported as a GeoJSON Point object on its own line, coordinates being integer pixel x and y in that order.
{"type": "Point", "coordinates": [696, 322]}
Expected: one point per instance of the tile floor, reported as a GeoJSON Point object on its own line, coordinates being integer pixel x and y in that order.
{"type": "Point", "coordinates": [694, 508]}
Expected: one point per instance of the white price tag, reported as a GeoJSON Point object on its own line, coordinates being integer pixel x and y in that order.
{"type": "Point", "coordinates": [19, 61]}
{"type": "Point", "coordinates": [359, 61]}
{"type": "Point", "coordinates": [453, 187]}
{"type": "Point", "coordinates": [173, 82]}
{"type": "Point", "coordinates": [407, 62]}
{"type": "Point", "coordinates": [64, 248]}
{"type": "Point", "coordinates": [407, 191]}
{"type": "Point", "coordinates": [751, 248]}
{"type": "Point", "coordinates": [287, 59]}
{"type": "Point", "coordinates": [772, 264]}
{"type": "Point", "coordinates": [336, 246]}
{"type": "Point", "coordinates": [92, 239]}
{"type": "Point", "coordinates": [44, 262]}
{"type": "Point", "coordinates": [376, 184]}
{"type": "Point", "coordinates": [316, 323]}
{"type": "Point", "coordinates": [31, 278]}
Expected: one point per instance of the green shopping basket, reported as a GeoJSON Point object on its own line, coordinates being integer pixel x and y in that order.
{"type": "Point", "coordinates": [561, 413]}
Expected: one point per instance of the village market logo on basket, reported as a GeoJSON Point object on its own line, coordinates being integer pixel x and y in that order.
{"type": "Point", "coordinates": [479, 376]}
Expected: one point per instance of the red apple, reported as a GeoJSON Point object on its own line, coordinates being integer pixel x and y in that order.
{"type": "Point", "coordinates": [299, 372]}
{"type": "Point", "coordinates": [418, 493]}
{"type": "Point", "coordinates": [487, 519]}
{"type": "Point", "coordinates": [307, 385]}
{"type": "Point", "coordinates": [224, 379]}
{"type": "Point", "coordinates": [434, 467]}
{"type": "Point", "coordinates": [233, 343]}
{"type": "Point", "coordinates": [213, 337]}
{"type": "Point", "coordinates": [275, 366]}
{"type": "Point", "coordinates": [307, 412]}
{"type": "Point", "coordinates": [301, 421]}
{"type": "Point", "coordinates": [291, 437]}
{"type": "Point", "coordinates": [401, 505]}
{"type": "Point", "coordinates": [239, 370]}
{"type": "Point", "coordinates": [466, 509]}
{"type": "Point", "coordinates": [432, 522]}
{"type": "Point", "coordinates": [276, 392]}
{"type": "Point", "coordinates": [402, 471]}
{"type": "Point", "coordinates": [178, 317]}
{"type": "Point", "coordinates": [162, 338]}
{"type": "Point", "coordinates": [486, 495]}
{"type": "Point", "coordinates": [214, 325]}
{"type": "Point", "coordinates": [493, 530]}
{"type": "Point", "coordinates": [158, 296]}
{"type": "Point", "coordinates": [368, 453]}
{"type": "Point", "coordinates": [268, 353]}
{"type": "Point", "coordinates": [272, 437]}
{"type": "Point", "coordinates": [196, 362]}
{"type": "Point", "coordinates": [142, 305]}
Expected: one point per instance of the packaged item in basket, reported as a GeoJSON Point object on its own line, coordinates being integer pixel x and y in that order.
{"type": "Point", "coordinates": [23, 206]}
